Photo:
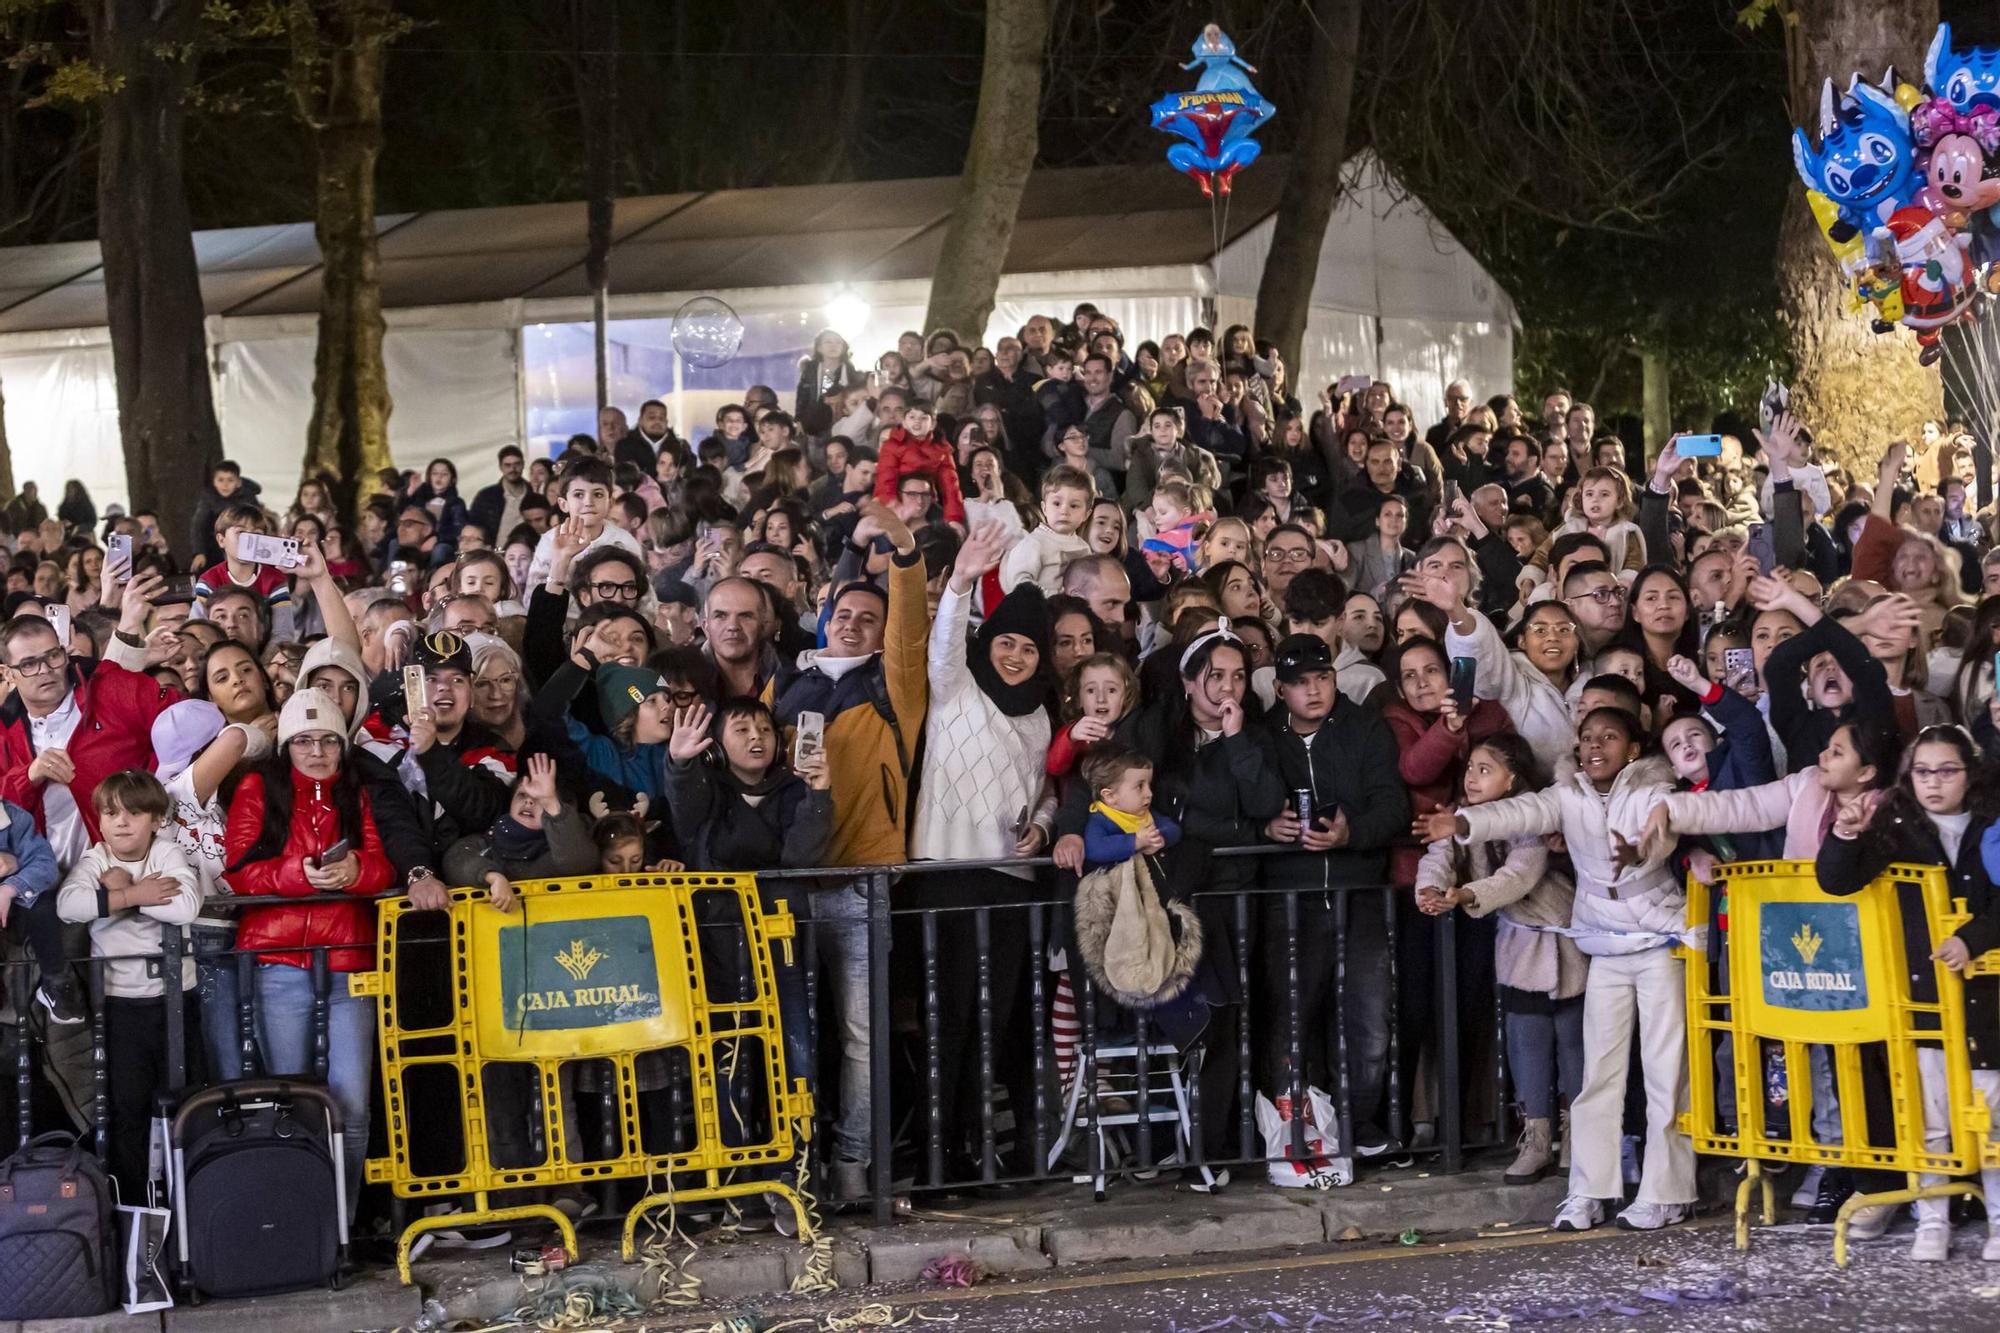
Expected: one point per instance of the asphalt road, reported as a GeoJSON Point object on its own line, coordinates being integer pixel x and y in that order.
{"type": "Point", "coordinates": [1687, 1278]}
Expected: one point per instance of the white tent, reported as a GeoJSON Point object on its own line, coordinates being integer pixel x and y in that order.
{"type": "Point", "coordinates": [489, 337]}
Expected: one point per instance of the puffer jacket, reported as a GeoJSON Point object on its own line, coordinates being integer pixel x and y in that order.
{"type": "Point", "coordinates": [1798, 804]}
{"type": "Point", "coordinates": [1539, 711]}
{"type": "Point", "coordinates": [114, 731]}
{"type": "Point", "coordinates": [1514, 879]}
{"type": "Point", "coordinates": [1618, 910]}
{"type": "Point", "coordinates": [313, 827]}
{"type": "Point", "coordinates": [903, 455]}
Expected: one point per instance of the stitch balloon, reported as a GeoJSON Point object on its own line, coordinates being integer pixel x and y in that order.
{"type": "Point", "coordinates": [1217, 119]}
{"type": "Point", "coordinates": [1866, 163]}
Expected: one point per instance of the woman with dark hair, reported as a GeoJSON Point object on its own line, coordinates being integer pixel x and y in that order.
{"type": "Point", "coordinates": [236, 682]}
{"type": "Point", "coordinates": [438, 492]}
{"type": "Point", "coordinates": [299, 825]}
{"type": "Point", "coordinates": [1661, 625]}
{"type": "Point", "coordinates": [77, 509]}
{"type": "Point", "coordinates": [986, 745]}
{"type": "Point", "coordinates": [1434, 739]}
{"type": "Point", "coordinates": [825, 369]}
{"type": "Point", "coordinates": [1530, 681]}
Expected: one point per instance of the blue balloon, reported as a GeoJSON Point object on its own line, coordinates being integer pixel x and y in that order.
{"type": "Point", "coordinates": [1217, 119]}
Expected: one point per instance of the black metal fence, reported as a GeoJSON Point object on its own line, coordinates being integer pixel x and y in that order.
{"type": "Point", "coordinates": [938, 1078]}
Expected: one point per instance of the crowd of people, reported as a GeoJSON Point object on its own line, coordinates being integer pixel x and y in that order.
{"type": "Point", "coordinates": [1061, 597]}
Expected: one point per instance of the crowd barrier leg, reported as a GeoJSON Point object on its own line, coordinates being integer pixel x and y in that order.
{"type": "Point", "coordinates": [519, 1212]}
{"type": "Point", "coordinates": [1754, 1177]}
{"type": "Point", "coordinates": [881, 1127]}
{"type": "Point", "coordinates": [1451, 1114]}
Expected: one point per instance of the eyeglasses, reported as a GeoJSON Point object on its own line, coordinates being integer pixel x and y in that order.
{"type": "Point", "coordinates": [1288, 555]}
{"type": "Point", "coordinates": [1555, 629]}
{"type": "Point", "coordinates": [1602, 596]}
{"type": "Point", "coordinates": [624, 592]}
{"type": "Point", "coordinates": [1938, 774]}
{"type": "Point", "coordinates": [318, 742]}
{"type": "Point", "coordinates": [683, 698]}
{"type": "Point", "coordinates": [52, 660]}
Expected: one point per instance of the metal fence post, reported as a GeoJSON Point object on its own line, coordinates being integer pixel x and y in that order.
{"type": "Point", "coordinates": [173, 1000]}
{"type": "Point", "coordinates": [1451, 1113]}
{"type": "Point", "coordinates": [881, 1127]}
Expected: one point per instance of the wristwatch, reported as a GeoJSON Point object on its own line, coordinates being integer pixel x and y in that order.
{"type": "Point", "coordinates": [420, 873]}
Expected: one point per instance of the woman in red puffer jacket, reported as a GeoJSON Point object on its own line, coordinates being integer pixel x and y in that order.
{"type": "Point", "coordinates": [287, 815]}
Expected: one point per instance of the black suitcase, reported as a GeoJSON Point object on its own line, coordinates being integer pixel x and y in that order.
{"type": "Point", "coordinates": [58, 1230]}
{"type": "Point", "coordinates": [256, 1180]}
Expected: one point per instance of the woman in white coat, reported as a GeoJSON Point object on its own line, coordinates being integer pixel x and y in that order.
{"type": "Point", "coordinates": [1529, 680]}
{"type": "Point", "coordinates": [986, 743]}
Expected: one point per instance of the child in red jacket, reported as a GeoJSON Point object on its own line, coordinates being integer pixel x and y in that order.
{"type": "Point", "coordinates": [911, 449]}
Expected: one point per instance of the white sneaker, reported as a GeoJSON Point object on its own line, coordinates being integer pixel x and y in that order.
{"type": "Point", "coordinates": [1991, 1252]}
{"type": "Point", "coordinates": [1807, 1194]}
{"type": "Point", "coordinates": [1933, 1242]}
{"type": "Point", "coordinates": [1869, 1223]}
{"type": "Point", "coordinates": [1579, 1214]}
{"type": "Point", "coordinates": [1652, 1216]}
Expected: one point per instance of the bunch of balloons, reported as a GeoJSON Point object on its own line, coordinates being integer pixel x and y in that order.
{"type": "Point", "coordinates": [1905, 184]}
{"type": "Point", "coordinates": [1216, 120]}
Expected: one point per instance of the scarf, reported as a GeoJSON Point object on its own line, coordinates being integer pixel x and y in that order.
{"type": "Point", "coordinates": [1125, 823]}
{"type": "Point", "coordinates": [1024, 611]}
{"type": "Point", "coordinates": [515, 841]}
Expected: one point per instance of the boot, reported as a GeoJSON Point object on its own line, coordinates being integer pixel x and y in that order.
{"type": "Point", "coordinates": [1535, 1156]}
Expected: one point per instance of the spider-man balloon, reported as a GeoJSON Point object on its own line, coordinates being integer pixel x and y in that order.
{"type": "Point", "coordinates": [1217, 119]}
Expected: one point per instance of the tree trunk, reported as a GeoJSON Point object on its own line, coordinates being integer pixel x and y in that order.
{"type": "Point", "coordinates": [348, 437]}
{"type": "Point", "coordinates": [1004, 140]}
{"type": "Point", "coordinates": [152, 288]}
{"type": "Point", "coordinates": [1857, 390]}
{"type": "Point", "coordinates": [1312, 183]}
{"type": "Point", "coordinates": [6, 453]}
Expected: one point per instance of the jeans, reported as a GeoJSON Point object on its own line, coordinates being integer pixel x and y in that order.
{"type": "Point", "coordinates": [215, 982]}
{"type": "Point", "coordinates": [1544, 1055]}
{"type": "Point", "coordinates": [840, 939]}
{"type": "Point", "coordinates": [285, 1035]}
{"type": "Point", "coordinates": [135, 1054]}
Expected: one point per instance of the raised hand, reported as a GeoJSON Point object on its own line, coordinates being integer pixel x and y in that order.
{"type": "Point", "coordinates": [1687, 675]}
{"type": "Point", "coordinates": [1854, 816]}
{"type": "Point", "coordinates": [1892, 615]}
{"type": "Point", "coordinates": [1667, 464]}
{"type": "Point", "coordinates": [979, 554]}
{"type": "Point", "coordinates": [883, 521]}
{"type": "Point", "coordinates": [1091, 730]}
{"type": "Point", "coordinates": [691, 737]}
{"type": "Point", "coordinates": [1782, 443]}
{"type": "Point", "coordinates": [539, 781]}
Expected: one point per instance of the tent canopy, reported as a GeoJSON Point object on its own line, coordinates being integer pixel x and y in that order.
{"type": "Point", "coordinates": [485, 306]}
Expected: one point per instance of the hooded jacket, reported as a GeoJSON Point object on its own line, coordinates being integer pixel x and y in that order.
{"type": "Point", "coordinates": [780, 822]}
{"type": "Point", "coordinates": [1618, 910]}
{"type": "Point", "coordinates": [874, 715]}
{"type": "Point", "coordinates": [982, 768]}
{"type": "Point", "coordinates": [311, 825]}
{"type": "Point", "coordinates": [903, 455]}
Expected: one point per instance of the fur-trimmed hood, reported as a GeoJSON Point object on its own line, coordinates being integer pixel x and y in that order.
{"type": "Point", "coordinates": [1140, 951]}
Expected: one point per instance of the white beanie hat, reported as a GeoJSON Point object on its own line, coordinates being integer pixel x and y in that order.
{"type": "Point", "coordinates": [310, 710]}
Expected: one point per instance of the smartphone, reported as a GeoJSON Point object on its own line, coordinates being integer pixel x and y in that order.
{"type": "Point", "coordinates": [179, 589]}
{"type": "Point", "coordinates": [1698, 446]}
{"type": "Point", "coordinates": [260, 549]}
{"type": "Point", "coordinates": [58, 617]}
{"type": "Point", "coordinates": [1464, 678]}
{"type": "Point", "coordinates": [118, 556]}
{"type": "Point", "coordinates": [1450, 495]}
{"type": "Point", "coordinates": [809, 740]}
{"type": "Point", "coordinates": [1738, 662]}
{"type": "Point", "coordinates": [333, 855]}
{"type": "Point", "coordinates": [1352, 384]}
{"type": "Point", "coordinates": [416, 698]}
{"type": "Point", "coordinates": [1761, 543]}
{"type": "Point", "coordinates": [399, 577]}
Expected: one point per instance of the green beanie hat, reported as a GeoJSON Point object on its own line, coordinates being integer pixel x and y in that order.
{"type": "Point", "coordinates": [621, 689]}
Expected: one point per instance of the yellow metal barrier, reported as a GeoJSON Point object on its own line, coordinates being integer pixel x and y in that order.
{"type": "Point", "coordinates": [489, 1020]}
{"type": "Point", "coordinates": [1809, 968]}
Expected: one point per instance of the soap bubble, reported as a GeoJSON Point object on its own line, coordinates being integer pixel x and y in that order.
{"type": "Point", "coordinates": [707, 332]}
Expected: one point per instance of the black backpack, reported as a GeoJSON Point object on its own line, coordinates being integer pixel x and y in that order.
{"type": "Point", "coordinates": [57, 1232]}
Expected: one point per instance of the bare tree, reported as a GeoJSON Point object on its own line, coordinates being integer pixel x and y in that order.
{"type": "Point", "coordinates": [152, 287]}
{"type": "Point", "coordinates": [594, 24]}
{"type": "Point", "coordinates": [1005, 133]}
{"type": "Point", "coordinates": [1857, 389]}
{"type": "Point", "coordinates": [335, 76]}
{"type": "Point", "coordinates": [1312, 180]}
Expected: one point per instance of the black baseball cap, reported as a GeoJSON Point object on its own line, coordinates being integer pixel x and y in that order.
{"type": "Point", "coordinates": [1300, 655]}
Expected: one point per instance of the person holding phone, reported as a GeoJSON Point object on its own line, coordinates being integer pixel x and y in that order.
{"type": "Point", "coordinates": [302, 825]}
